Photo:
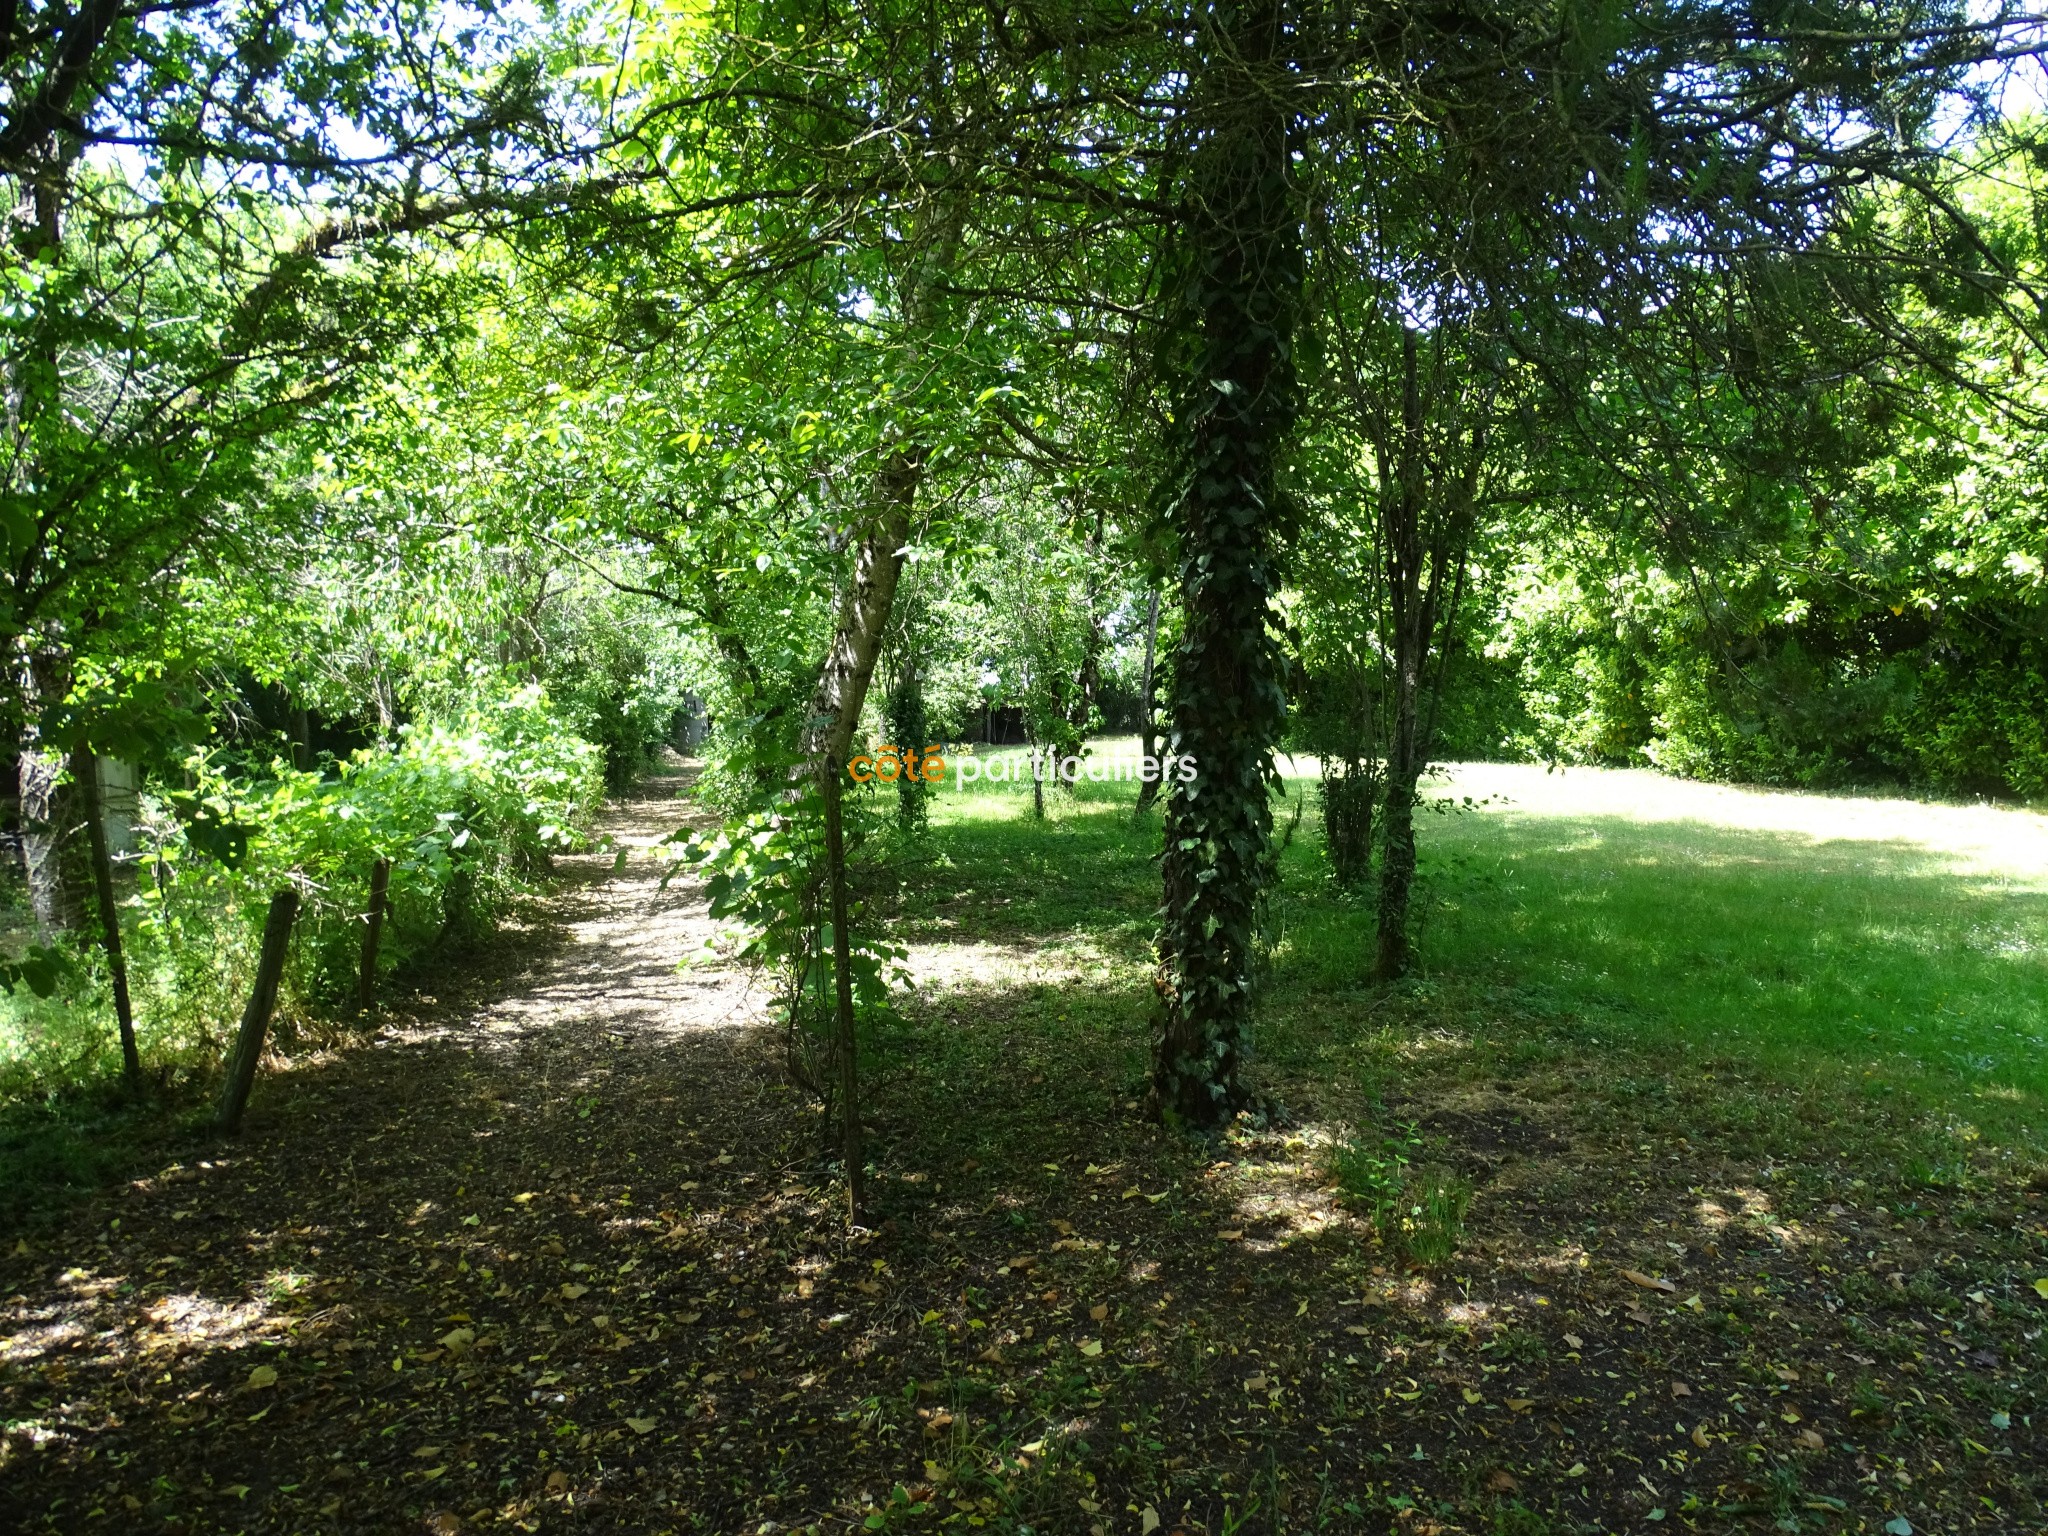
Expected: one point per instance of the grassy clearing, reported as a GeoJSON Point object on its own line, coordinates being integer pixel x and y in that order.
{"type": "Point", "coordinates": [1892, 948]}
{"type": "Point", "coordinates": [1633, 1048]}
{"type": "Point", "coordinates": [1803, 935]}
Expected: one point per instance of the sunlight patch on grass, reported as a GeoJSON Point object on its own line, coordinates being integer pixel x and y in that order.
{"type": "Point", "coordinates": [1787, 931]}
{"type": "Point", "coordinates": [1978, 840]}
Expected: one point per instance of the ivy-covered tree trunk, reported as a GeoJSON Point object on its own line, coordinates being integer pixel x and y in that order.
{"type": "Point", "coordinates": [908, 729]}
{"type": "Point", "coordinates": [1226, 706]}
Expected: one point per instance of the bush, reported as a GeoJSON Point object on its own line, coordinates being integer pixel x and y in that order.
{"type": "Point", "coordinates": [468, 811]}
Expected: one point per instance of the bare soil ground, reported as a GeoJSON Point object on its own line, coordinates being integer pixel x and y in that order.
{"type": "Point", "coordinates": [555, 1253]}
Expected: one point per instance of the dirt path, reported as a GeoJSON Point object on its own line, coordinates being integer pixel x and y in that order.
{"type": "Point", "coordinates": [266, 1334]}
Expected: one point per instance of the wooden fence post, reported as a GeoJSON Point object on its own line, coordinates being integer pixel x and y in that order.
{"type": "Point", "coordinates": [85, 768]}
{"type": "Point", "coordinates": [277, 937]}
{"type": "Point", "coordinates": [373, 933]}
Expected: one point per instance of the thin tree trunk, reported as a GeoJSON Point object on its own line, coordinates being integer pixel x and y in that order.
{"type": "Point", "coordinates": [864, 613]}
{"type": "Point", "coordinates": [85, 771]}
{"type": "Point", "coordinates": [241, 1076]}
{"type": "Point", "coordinates": [1417, 609]}
{"type": "Point", "coordinates": [1410, 633]}
{"type": "Point", "coordinates": [49, 852]}
{"type": "Point", "coordinates": [848, 1043]}
{"type": "Point", "coordinates": [1228, 706]}
{"type": "Point", "coordinates": [1148, 789]}
{"type": "Point", "coordinates": [373, 934]}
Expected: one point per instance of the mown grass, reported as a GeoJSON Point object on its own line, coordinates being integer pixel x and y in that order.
{"type": "Point", "coordinates": [1869, 970]}
{"type": "Point", "coordinates": [1874, 964]}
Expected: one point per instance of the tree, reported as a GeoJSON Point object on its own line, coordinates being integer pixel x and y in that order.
{"type": "Point", "coordinates": [1240, 275]}
{"type": "Point", "coordinates": [174, 310]}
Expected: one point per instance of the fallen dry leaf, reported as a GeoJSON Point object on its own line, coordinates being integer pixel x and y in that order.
{"type": "Point", "coordinates": [1648, 1282]}
{"type": "Point", "coordinates": [1700, 1437]}
{"type": "Point", "coordinates": [641, 1426]}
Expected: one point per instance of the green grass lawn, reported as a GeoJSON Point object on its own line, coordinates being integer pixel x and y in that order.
{"type": "Point", "coordinates": [1894, 948]}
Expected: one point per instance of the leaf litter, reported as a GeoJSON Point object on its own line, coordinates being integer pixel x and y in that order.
{"type": "Point", "coordinates": [428, 1291]}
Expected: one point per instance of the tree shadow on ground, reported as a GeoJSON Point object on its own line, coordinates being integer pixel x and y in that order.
{"type": "Point", "coordinates": [564, 1257]}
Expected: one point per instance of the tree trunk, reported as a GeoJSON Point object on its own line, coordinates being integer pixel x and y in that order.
{"type": "Point", "coordinates": [1227, 705]}
{"type": "Point", "coordinates": [1409, 626]}
{"type": "Point", "coordinates": [373, 934]}
{"type": "Point", "coordinates": [241, 1077]}
{"type": "Point", "coordinates": [85, 772]}
{"type": "Point", "coordinates": [1419, 559]}
{"type": "Point", "coordinates": [864, 612]}
{"type": "Point", "coordinates": [908, 729]}
{"type": "Point", "coordinates": [49, 847]}
{"type": "Point", "coordinates": [847, 1043]}
{"type": "Point", "coordinates": [1148, 723]}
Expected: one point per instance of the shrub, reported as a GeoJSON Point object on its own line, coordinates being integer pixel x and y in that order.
{"type": "Point", "coordinates": [468, 811]}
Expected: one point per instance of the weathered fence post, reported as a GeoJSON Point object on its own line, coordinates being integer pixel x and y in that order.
{"type": "Point", "coordinates": [85, 768]}
{"type": "Point", "coordinates": [373, 933]}
{"type": "Point", "coordinates": [277, 937]}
